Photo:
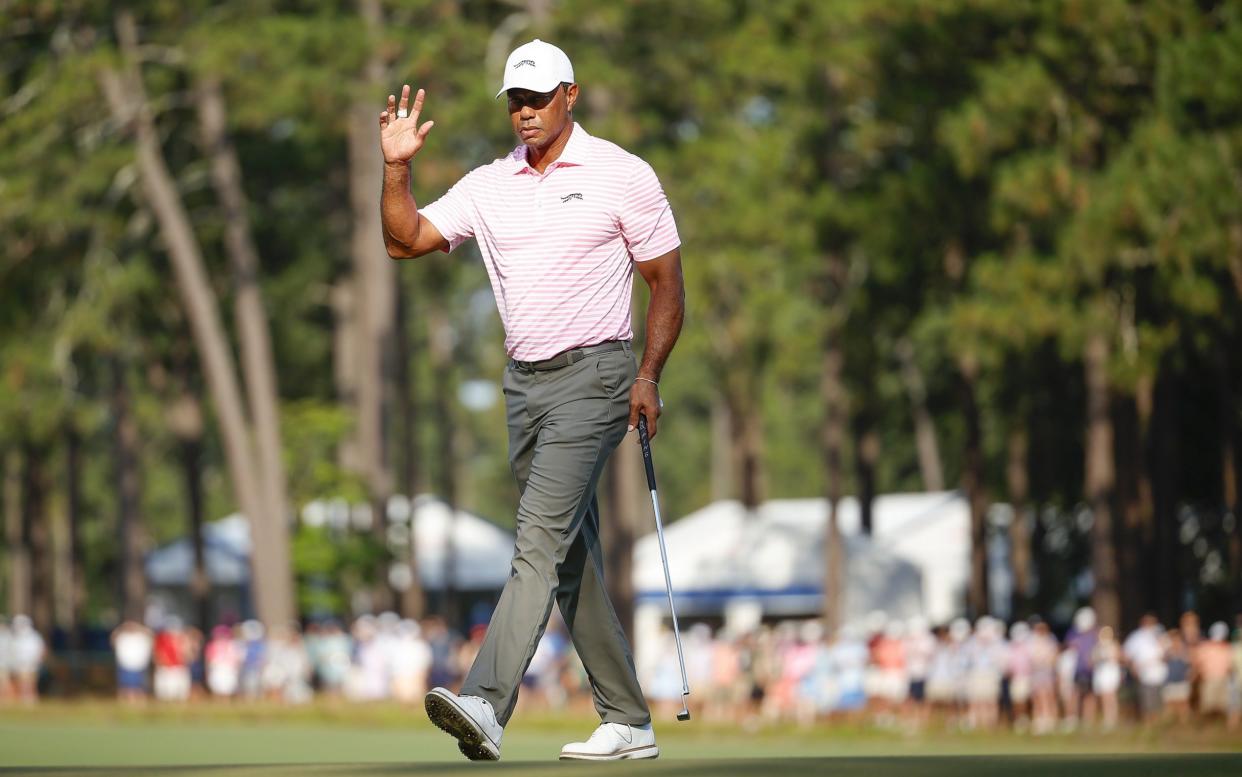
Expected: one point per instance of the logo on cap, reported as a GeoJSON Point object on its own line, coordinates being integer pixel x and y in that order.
{"type": "Point", "coordinates": [530, 62]}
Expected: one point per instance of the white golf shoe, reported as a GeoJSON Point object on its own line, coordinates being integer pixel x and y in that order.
{"type": "Point", "coordinates": [470, 719]}
{"type": "Point", "coordinates": [613, 742]}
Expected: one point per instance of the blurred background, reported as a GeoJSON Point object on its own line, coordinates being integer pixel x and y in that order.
{"type": "Point", "coordinates": [963, 353]}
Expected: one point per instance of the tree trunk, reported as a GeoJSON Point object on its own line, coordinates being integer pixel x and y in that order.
{"type": "Point", "coordinates": [413, 600]}
{"type": "Point", "coordinates": [747, 435]}
{"type": "Point", "coordinates": [185, 421]}
{"type": "Point", "coordinates": [37, 534]}
{"type": "Point", "coordinates": [722, 453]}
{"type": "Point", "coordinates": [866, 456]}
{"type": "Point", "coordinates": [130, 529]}
{"type": "Point", "coordinates": [1128, 454]}
{"type": "Point", "coordinates": [375, 294]}
{"type": "Point", "coordinates": [924, 428]}
{"type": "Point", "coordinates": [128, 103]}
{"type": "Point", "coordinates": [1100, 478]}
{"type": "Point", "coordinates": [77, 559]}
{"type": "Point", "coordinates": [17, 552]}
{"type": "Point", "coordinates": [1166, 485]}
{"type": "Point", "coordinates": [440, 348]}
{"type": "Point", "coordinates": [1020, 525]}
{"type": "Point", "coordinates": [977, 598]}
{"type": "Point", "coordinates": [258, 363]}
{"type": "Point", "coordinates": [1227, 412]}
{"type": "Point", "coordinates": [832, 395]}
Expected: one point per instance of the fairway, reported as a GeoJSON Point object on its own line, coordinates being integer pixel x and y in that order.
{"type": "Point", "coordinates": [101, 739]}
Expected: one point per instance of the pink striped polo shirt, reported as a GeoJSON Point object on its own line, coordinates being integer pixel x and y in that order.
{"type": "Point", "coordinates": [560, 247]}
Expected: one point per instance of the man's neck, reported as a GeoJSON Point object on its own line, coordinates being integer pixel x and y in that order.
{"type": "Point", "coordinates": [540, 158]}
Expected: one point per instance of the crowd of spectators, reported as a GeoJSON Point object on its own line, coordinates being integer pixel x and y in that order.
{"type": "Point", "coordinates": [973, 676]}
{"type": "Point", "coordinates": [891, 673]}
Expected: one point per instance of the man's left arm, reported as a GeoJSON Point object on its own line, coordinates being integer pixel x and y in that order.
{"type": "Point", "coordinates": [665, 313]}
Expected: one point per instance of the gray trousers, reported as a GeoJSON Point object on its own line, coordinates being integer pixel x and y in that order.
{"type": "Point", "coordinates": [563, 425]}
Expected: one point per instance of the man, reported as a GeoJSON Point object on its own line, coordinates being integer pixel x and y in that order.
{"type": "Point", "coordinates": [1144, 654]}
{"type": "Point", "coordinates": [562, 222]}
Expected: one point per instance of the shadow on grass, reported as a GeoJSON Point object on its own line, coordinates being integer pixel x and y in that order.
{"type": "Point", "coordinates": [1194, 765]}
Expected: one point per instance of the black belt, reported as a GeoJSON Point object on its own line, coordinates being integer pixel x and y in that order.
{"type": "Point", "coordinates": [566, 358]}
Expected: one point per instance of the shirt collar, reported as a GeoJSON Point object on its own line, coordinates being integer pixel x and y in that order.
{"type": "Point", "coordinates": [576, 152]}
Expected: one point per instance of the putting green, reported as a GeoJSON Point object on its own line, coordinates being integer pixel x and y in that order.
{"type": "Point", "coordinates": [104, 739]}
{"type": "Point", "coordinates": [925, 766]}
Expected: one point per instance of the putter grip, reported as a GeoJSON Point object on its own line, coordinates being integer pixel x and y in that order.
{"type": "Point", "coordinates": [646, 443]}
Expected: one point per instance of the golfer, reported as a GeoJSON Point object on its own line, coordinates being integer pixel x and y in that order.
{"type": "Point", "coordinates": [562, 221]}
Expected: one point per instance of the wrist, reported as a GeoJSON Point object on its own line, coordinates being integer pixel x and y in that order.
{"type": "Point", "coordinates": [397, 166]}
{"type": "Point", "coordinates": [643, 379]}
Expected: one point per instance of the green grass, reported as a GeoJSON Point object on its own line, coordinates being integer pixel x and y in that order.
{"type": "Point", "coordinates": [100, 738]}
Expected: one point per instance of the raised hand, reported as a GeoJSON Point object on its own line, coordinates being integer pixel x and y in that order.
{"type": "Point", "coordinates": [400, 135]}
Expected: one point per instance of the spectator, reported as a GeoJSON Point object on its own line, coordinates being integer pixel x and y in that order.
{"type": "Point", "coordinates": [1212, 663]}
{"type": "Point", "coordinates": [1177, 686]}
{"type": "Point", "coordinates": [726, 677]}
{"type": "Point", "coordinates": [1067, 691]}
{"type": "Point", "coordinates": [26, 653]}
{"type": "Point", "coordinates": [195, 661]}
{"type": "Point", "coordinates": [444, 671]}
{"type": "Point", "coordinates": [942, 670]}
{"type": "Point", "coordinates": [172, 671]}
{"type": "Point", "coordinates": [890, 681]}
{"type": "Point", "coordinates": [254, 653]}
{"type": "Point", "coordinates": [332, 658]}
{"type": "Point", "coordinates": [920, 646]}
{"type": "Point", "coordinates": [849, 662]}
{"type": "Point", "coordinates": [1144, 655]}
{"type": "Point", "coordinates": [223, 656]}
{"type": "Point", "coordinates": [1043, 679]}
{"type": "Point", "coordinates": [1081, 639]}
{"type": "Point", "coordinates": [411, 663]}
{"type": "Point", "coordinates": [132, 643]}
{"type": "Point", "coordinates": [985, 655]}
{"type": "Point", "coordinates": [6, 661]}
{"type": "Point", "coordinates": [1106, 675]}
{"type": "Point", "coordinates": [368, 677]}
{"type": "Point", "coordinates": [1235, 688]}
{"type": "Point", "coordinates": [1018, 670]}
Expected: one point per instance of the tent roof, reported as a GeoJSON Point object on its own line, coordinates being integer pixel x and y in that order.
{"type": "Point", "coordinates": [481, 550]}
{"type": "Point", "coordinates": [919, 544]}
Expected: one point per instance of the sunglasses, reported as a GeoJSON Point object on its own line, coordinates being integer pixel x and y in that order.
{"type": "Point", "coordinates": [521, 98]}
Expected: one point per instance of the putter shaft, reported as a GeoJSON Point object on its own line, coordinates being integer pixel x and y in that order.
{"type": "Point", "coordinates": [645, 440]}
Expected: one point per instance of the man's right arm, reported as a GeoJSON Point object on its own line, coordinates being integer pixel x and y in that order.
{"type": "Point", "coordinates": [407, 233]}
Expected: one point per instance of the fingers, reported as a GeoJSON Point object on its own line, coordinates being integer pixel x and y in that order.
{"type": "Point", "coordinates": [644, 402]}
{"type": "Point", "coordinates": [402, 109]}
{"type": "Point", "coordinates": [425, 129]}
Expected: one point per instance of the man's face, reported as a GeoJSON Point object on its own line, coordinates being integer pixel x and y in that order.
{"type": "Point", "coordinates": [540, 117]}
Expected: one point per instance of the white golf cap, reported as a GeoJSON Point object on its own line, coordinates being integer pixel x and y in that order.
{"type": "Point", "coordinates": [537, 66]}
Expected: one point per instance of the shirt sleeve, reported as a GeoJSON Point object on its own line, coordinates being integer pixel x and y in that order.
{"type": "Point", "coordinates": [451, 214]}
{"type": "Point", "coordinates": [647, 223]}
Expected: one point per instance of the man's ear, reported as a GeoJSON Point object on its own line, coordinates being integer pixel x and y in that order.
{"type": "Point", "coordinates": [571, 95]}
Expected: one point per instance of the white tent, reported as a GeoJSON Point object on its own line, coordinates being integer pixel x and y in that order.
{"type": "Point", "coordinates": [481, 551]}
{"type": "Point", "coordinates": [226, 554]}
{"type": "Point", "coordinates": [915, 562]}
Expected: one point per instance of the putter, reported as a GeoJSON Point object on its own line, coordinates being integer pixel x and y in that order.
{"type": "Point", "coordinates": [668, 582]}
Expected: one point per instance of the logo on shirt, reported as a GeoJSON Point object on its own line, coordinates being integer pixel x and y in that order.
{"type": "Point", "coordinates": [574, 196]}
{"type": "Point", "coordinates": [530, 62]}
